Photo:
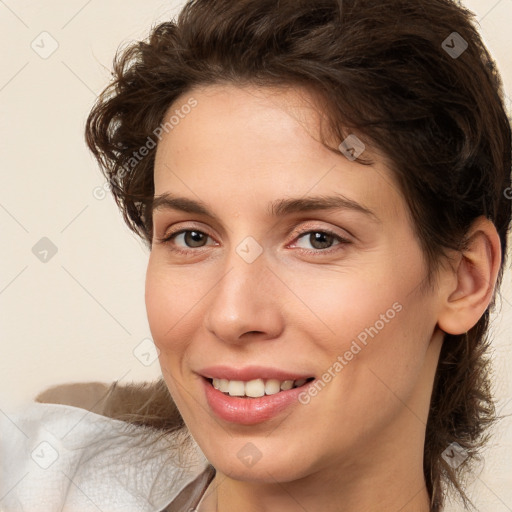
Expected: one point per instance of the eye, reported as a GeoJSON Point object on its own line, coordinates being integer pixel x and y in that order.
{"type": "Point", "coordinates": [321, 241]}
{"type": "Point", "coordinates": [192, 238]}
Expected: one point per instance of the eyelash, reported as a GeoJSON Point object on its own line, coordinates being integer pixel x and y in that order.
{"type": "Point", "coordinates": [166, 240]}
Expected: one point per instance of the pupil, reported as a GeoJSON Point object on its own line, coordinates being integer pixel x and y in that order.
{"type": "Point", "coordinates": [317, 238]}
{"type": "Point", "coordinates": [193, 237]}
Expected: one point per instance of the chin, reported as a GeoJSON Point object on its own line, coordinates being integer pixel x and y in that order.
{"type": "Point", "coordinates": [265, 473]}
{"type": "Point", "coordinates": [244, 461]}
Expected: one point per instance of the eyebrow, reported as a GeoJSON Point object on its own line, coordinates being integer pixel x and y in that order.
{"type": "Point", "coordinates": [278, 208]}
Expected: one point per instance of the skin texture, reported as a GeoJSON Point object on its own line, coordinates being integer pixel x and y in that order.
{"type": "Point", "coordinates": [358, 444]}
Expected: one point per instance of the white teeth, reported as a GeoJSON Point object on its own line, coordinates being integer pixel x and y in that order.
{"type": "Point", "coordinates": [255, 388]}
{"type": "Point", "coordinates": [272, 386]}
{"type": "Point", "coordinates": [221, 385]}
{"type": "Point", "coordinates": [236, 388]}
{"type": "Point", "coordinates": [287, 384]}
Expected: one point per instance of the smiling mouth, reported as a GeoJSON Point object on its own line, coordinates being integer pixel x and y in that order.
{"type": "Point", "coordinates": [256, 388]}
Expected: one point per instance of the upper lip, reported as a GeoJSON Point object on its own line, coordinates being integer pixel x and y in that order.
{"type": "Point", "coordinates": [248, 373]}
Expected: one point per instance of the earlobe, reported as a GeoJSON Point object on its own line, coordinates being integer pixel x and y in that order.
{"type": "Point", "coordinates": [476, 276]}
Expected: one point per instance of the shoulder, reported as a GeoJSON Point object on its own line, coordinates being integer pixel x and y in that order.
{"type": "Point", "coordinates": [133, 402]}
{"type": "Point", "coordinates": [58, 456]}
{"type": "Point", "coordinates": [144, 403]}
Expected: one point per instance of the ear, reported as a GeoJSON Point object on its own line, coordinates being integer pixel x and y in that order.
{"type": "Point", "coordinates": [470, 292]}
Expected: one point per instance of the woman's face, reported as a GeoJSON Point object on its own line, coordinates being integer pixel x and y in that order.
{"type": "Point", "coordinates": [263, 286]}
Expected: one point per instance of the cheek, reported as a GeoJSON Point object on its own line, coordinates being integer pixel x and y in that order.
{"type": "Point", "coordinates": [340, 309]}
{"type": "Point", "coordinates": [159, 305]}
{"type": "Point", "coordinates": [383, 354]}
{"type": "Point", "coordinates": [170, 298]}
{"type": "Point", "coordinates": [379, 328]}
{"type": "Point", "coordinates": [167, 304]}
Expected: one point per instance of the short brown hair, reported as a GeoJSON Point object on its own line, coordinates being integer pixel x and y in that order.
{"type": "Point", "coordinates": [384, 70]}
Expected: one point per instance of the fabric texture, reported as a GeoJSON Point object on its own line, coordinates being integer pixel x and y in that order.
{"type": "Point", "coordinates": [56, 457]}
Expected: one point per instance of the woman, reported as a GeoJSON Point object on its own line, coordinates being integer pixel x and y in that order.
{"type": "Point", "coordinates": [323, 189]}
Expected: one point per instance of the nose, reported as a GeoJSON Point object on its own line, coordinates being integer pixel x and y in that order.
{"type": "Point", "coordinates": [244, 304]}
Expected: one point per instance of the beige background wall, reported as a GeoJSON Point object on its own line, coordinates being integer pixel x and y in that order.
{"type": "Point", "coordinates": [80, 316]}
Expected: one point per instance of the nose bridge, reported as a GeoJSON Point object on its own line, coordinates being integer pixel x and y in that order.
{"type": "Point", "coordinates": [243, 300]}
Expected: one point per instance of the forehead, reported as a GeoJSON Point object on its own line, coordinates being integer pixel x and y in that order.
{"type": "Point", "coordinates": [252, 141]}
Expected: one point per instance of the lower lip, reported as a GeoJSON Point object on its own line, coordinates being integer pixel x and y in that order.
{"type": "Point", "coordinates": [249, 411]}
